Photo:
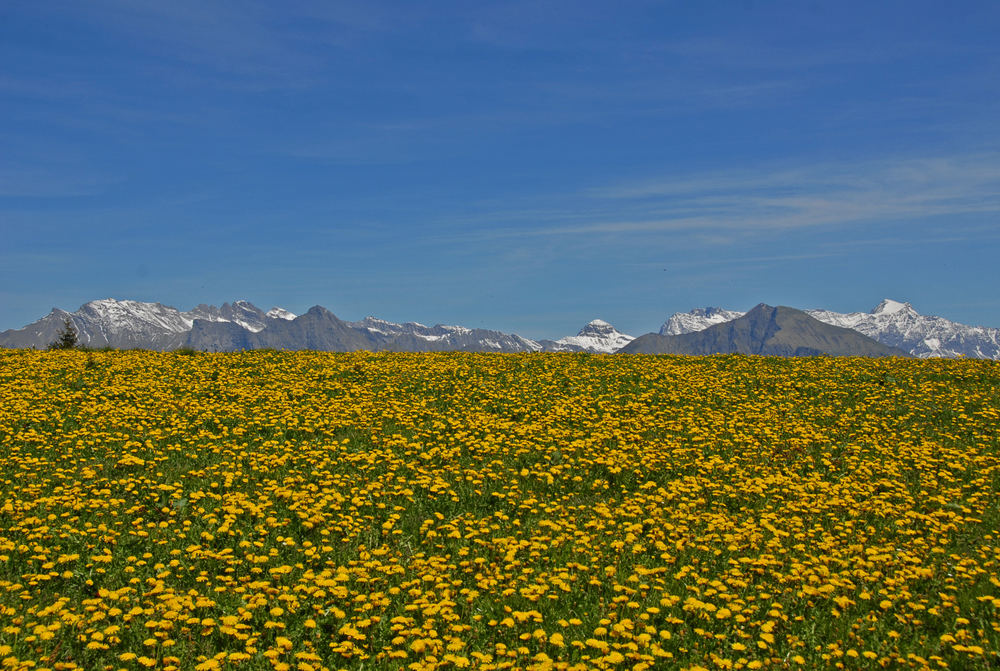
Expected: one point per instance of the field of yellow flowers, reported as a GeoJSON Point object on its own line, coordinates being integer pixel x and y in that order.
{"type": "Point", "coordinates": [310, 511]}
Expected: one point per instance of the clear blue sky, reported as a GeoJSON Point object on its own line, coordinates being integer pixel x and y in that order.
{"type": "Point", "coordinates": [526, 166]}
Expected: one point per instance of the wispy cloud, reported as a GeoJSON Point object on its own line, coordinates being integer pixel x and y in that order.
{"type": "Point", "coordinates": [830, 194]}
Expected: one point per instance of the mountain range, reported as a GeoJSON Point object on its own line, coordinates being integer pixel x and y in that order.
{"type": "Point", "coordinates": [242, 325]}
{"type": "Point", "coordinates": [892, 328]}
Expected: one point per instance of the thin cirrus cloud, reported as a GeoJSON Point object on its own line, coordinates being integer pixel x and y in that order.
{"type": "Point", "coordinates": [840, 209]}
{"type": "Point", "coordinates": [808, 196]}
{"type": "Point", "coordinates": [838, 204]}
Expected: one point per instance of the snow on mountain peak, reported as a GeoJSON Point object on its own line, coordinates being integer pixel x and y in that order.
{"type": "Point", "coordinates": [698, 319]}
{"type": "Point", "coordinates": [598, 336]}
{"type": "Point", "coordinates": [597, 327]}
{"type": "Point", "coordinates": [899, 325]}
{"type": "Point", "coordinates": [280, 313]}
{"type": "Point", "coordinates": [711, 311]}
{"type": "Point", "coordinates": [891, 307]}
{"type": "Point", "coordinates": [140, 319]}
{"type": "Point", "coordinates": [127, 316]}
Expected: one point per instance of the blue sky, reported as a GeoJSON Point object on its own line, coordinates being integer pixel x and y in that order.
{"type": "Point", "coordinates": [526, 166]}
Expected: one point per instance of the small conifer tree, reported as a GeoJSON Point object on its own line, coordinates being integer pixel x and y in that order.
{"type": "Point", "coordinates": [66, 337]}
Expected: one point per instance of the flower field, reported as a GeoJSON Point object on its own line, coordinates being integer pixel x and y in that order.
{"type": "Point", "coordinates": [309, 511]}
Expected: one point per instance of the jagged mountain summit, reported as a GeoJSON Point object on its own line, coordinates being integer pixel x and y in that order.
{"type": "Point", "coordinates": [891, 322]}
{"type": "Point", "coordinates": [242, 325]}
{"type": "Point", "coordinates": [767, 331]}
{"type": "Point", "coordinates": [698, 319]}
{"type": "Point", "coordinates": [597, 336]}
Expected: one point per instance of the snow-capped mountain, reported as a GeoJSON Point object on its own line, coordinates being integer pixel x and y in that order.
{"type": "Point", "coordinates": [698, 319]}
{"type": "Point", "coordinates": [891, 322]}
{"type": "Point", "coordinates": [126, 324]}
{"type": "Point", "coordinates": [899, 325]}
{"type": "Point", "coordinates": [598, 336]}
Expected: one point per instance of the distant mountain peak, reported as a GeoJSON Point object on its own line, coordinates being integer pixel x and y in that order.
{"type": "Point", "coordinates": [597, 336]}
{"type": "Point", "coordinates": [891, 307]}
